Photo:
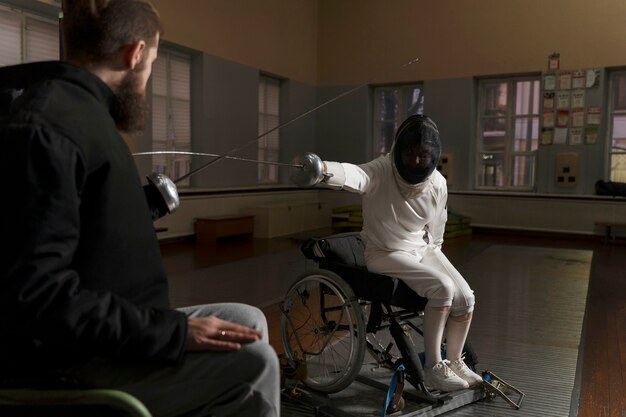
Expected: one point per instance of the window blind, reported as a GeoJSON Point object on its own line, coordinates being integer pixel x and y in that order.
{"type": "Point", "coordinates": [42, 40]}
{"type": "Point", "coordinates": [171, 112]}
{"type": "Point", "coordinates": [269, 118]}
{"type": "Point", "coordinates": [10, 38]}
{"type": "Point", "coordinates": [27, 39]}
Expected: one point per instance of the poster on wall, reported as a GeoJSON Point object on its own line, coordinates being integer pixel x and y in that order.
{"type": "Point", "coordinates": [593, 116]}
{"type": "Point", "coordinates": [562, 100]}
{"type": "Point", "coordinates": [578, 79]}
{"type": "Point", "coordinates": [569, 114]}
{"type": "Point", "coordinates": [593, 78]}
{"type": "Point", "coordinates": [578, 99]}
{"type": "Point", "coordinates": [578, 117]}
{"type": "Point", "coordinates": [562, 119]}
{"type": "Point", "coordinates": [576, 136]}
{"type": "Point", "coordinates": [548, 119]}
{"type": "Point", "coordinates": [549, 82]}
{"type": "Point", "coordinates": [565, 81]}
{"type": "Point", "coordinates": [560, 136]}
{"type": "Point", "coordinates": [548, 100]}
{"type": "Point", "coordinates": [591, 135]}
{"type": "Point", "coordinates": [546, 136]}
{"type": "Point", "coordinates": [554, 61]}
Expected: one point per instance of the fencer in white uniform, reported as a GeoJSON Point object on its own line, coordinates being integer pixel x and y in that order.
{"type": "Point", "coordinates": [404, 217]}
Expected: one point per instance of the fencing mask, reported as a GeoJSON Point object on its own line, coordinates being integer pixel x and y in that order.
{"type": "Point", "coordinates": [416, 149]}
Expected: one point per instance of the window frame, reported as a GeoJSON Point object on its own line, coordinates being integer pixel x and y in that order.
{"type": "Point", "coordinates": [609, 172]}
{"type": "Point", "coordinates": [509, 152]}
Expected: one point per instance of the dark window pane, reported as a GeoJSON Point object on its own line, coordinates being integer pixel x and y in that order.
{"type": "Point", "coordinates": [494, 135]}
{"type": "Point", "coordinates": [495, 99]}
{"type": "Point", "coordinates": [491, 169]}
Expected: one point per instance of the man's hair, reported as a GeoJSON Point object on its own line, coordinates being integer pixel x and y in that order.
{"type": "Point", "coordinates": [95, 30]}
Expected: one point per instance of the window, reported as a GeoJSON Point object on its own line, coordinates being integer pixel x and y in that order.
{"type": "Point", "coordinates": [391, 106]}
{"type": "Point", "coordinates": [171, 114]}
{"type": "Point", "coordinates": [269, 145]}
{"type": "Point", "coordinates": [617, 127]}
{"type": "Point", "coordinates": [25, 38]}
{"type": "Point", "coordinates": [508, 133]}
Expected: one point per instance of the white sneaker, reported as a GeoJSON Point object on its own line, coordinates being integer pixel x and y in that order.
{"type": "Point", "coordinates": [442, 378]}
{"type": "Point", "coordinates": [464, 372]}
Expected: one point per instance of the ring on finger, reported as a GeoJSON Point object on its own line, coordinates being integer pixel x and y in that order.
{"type": "Point", "coordinates": [223, 333]}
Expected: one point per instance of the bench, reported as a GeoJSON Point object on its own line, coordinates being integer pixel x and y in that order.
{"type": "Point", "coordinates": [608, 226]}
{"type": "Point", "coordinates": [210, 229]}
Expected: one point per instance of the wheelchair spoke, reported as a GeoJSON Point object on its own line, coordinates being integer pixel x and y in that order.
{"type": "Point", "coordinates": [323, 328]}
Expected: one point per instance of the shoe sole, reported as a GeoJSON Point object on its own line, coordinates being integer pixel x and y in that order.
{"type": "Point", "coordinates": [430, 388]}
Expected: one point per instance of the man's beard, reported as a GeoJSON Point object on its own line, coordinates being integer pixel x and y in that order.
{"type": "Point", "coordinates": [131, 111]}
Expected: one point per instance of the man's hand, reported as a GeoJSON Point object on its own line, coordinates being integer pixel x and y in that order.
{"type": "Point", "coordinates": [212, 333]}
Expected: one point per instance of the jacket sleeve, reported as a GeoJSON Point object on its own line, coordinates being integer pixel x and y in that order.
{"type": "Point", "coordinates": [359, 179]}
{"type": "Point", "coordinates": [41, 296]}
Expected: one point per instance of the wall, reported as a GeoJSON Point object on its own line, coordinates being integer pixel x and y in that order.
{"type": "Point", "coordinates": [298, 136]}
{"type": "Point", "coordinates": [540, 213]}
{"type": "Point", "coordinates": [368, 40]}
{"type": "Point", "coordinates": [344, 130]}
{"type": "Point", "coordinates": [330, 42]}
{"type": "Point", "coordinates": [544, 213]}
{"type": "Point", "coordinates": [276, 36]}
{"type": "Point", "coordinates": [451, 104]}
{"type": "Point", "coordinates": [225, 118]}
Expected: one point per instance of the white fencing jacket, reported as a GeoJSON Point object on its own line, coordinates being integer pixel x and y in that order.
{"type": "Point", "coordinates": [396, 215]}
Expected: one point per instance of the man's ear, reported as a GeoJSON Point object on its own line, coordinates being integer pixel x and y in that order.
{"type": "Point", "coordinates": [133, 54]}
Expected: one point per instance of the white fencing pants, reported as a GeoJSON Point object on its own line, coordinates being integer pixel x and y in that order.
{"type": "Point", "coordinates": [427, 272]}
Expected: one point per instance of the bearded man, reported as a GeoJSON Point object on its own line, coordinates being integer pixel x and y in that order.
{"type": "Point", "coordinates": [83, 292]}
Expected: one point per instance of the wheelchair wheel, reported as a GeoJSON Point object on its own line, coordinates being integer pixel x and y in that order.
{"type": "Point", "coordinates": [322, 331]}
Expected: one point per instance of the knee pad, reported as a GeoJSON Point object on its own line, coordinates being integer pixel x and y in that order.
{"type": "Point", "coordinates": [444, 292]}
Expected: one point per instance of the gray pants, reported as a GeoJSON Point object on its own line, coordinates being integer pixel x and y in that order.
{"type": "Point", "coordinates": [243, 383]}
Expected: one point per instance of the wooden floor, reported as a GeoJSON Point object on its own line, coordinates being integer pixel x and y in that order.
{"type": "Point", "coordinates": [602, 357]}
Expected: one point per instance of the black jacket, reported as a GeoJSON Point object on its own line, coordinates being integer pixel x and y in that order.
{"type": "Point", "coordinates": [81, 272]}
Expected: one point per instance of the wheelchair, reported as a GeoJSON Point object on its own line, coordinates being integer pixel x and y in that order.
{"type": "Point", "coordinates": [333, 315]}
